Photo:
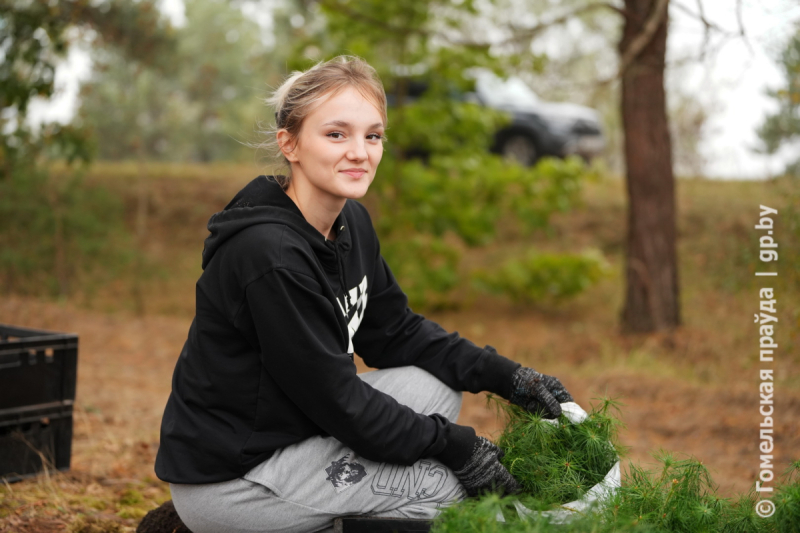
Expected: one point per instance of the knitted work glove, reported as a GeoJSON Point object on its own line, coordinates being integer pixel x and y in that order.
{"type": "Point", "coordinates": [483, 471]}
{"type": "Point", "coordinates": [538, 393]}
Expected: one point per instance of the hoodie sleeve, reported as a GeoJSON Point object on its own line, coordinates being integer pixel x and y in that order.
{"type": "Point", "coordinates": [304, 349]}
{"type": "Point", "coordinates": [392, 335]}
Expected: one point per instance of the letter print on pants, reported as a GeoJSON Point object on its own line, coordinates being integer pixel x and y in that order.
{"type": "Point", "coordinates": [415, 482]}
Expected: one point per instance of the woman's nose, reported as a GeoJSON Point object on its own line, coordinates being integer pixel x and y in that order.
{"type": "Point", "coordinates": [358, 151]}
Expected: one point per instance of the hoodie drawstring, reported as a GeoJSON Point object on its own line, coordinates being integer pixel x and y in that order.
{"type": "Point", "coordinates": [340, 265]}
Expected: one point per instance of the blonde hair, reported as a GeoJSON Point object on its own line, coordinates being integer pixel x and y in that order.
{"type": "Point", "coordinates": [301, 91]}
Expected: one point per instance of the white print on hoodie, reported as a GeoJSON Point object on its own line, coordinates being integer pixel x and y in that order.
{"type": "Point", "coordinates": [355, 302]}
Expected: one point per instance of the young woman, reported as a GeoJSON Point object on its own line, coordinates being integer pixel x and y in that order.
{"type": "Point", "coordinates": [268, 427]}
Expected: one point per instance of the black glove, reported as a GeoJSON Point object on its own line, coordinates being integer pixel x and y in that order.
{"type": "Point", "coordinates": [483, 471]}
{"type": "Point", "coordinates": [538, 393]}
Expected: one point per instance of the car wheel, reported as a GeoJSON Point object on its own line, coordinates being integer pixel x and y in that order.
{"type": "Point", "coordinates": [521, 149]}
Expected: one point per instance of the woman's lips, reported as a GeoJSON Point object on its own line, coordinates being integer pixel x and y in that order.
{"type": "Point", "coordinates": [354, 172]}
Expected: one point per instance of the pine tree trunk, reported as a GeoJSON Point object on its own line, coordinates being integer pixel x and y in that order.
{"type": "Point", "coordinates": [652, 296]}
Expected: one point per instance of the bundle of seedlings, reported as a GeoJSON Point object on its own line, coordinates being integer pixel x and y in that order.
{"type": "Point", "coordinates": [556, 461]}
{"type": "Point", "coordinates": [678, 496]}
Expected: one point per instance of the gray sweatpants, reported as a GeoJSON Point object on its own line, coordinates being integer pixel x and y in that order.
{"type": "Point", "coordinates": [303, 487]}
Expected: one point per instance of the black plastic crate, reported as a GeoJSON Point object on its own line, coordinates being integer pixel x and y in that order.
{"type": "Point", "coordinates": [38, 371]}
{"type": "Point", "coordinates": [35, 437]}
{"type": "Point", "coordinates": [36, 367]}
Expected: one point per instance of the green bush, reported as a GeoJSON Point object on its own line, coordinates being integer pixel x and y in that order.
{"type": "Point", "coordinates": [543, 277]}
{"type": "Point", "coordinates": [426, 282]}
{"type": "Point", "coordinates": [466, 195]}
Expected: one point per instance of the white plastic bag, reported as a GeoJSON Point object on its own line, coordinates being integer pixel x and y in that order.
{"type": "Point", "coordinates": [595, 495]}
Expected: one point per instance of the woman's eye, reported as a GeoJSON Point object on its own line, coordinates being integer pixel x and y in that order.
{"type": "Point", "coordinates": [335, 135]}
{"type": "Point", "coordinates": [375, 136]}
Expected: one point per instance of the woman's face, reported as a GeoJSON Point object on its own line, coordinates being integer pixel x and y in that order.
{"type": "Point", "coordinates": [339, 147]}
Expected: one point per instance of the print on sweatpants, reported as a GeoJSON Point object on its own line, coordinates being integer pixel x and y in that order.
{"type": "Point", "coordinates": [421, 480]}
{"type": "Point", "coordinates": [345, 472]}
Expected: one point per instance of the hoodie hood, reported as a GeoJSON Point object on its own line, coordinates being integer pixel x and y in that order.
{"type": "Point", "coordinates": [263, 201]}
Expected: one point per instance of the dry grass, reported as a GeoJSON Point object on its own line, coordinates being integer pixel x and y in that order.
{"type": "Point", "coordinates": [692, 391]}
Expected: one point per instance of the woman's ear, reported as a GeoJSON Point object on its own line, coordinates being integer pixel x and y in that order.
{"type": "Point", "coordinates": [287, 145]}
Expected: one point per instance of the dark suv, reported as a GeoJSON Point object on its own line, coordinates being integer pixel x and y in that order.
{"type": "Point", "coordinates": [537, 128]}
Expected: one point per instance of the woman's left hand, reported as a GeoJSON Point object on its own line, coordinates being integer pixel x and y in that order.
{"type": "Point", "coordinates": [484, 472]}
{"type": "Point", "coordinates": [538, 393]}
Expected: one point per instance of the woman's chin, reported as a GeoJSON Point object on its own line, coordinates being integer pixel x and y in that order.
{"type": "Point", "coordinates": [355, 190]}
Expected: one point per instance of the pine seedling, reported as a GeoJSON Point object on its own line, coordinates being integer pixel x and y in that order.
{"type": "Point", "coordinates": [472, 515]}
{"type": "Point", "coordinates": [680, 498]}
{"type": "Point", "coordinates": [787, 501]}
{"type": "Point", "coordinates": [480, 515]}
{"type": "Point", "coordinates": [741, 517]}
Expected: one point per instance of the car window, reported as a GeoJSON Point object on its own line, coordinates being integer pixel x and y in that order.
{"type": "Point", "coordinates": [497, 92]}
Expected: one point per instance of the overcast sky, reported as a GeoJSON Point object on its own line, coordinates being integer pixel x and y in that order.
{"type": "Point", "coordinates": [736, 78]}
{"type": "Point", "coordinates": [733, 80]}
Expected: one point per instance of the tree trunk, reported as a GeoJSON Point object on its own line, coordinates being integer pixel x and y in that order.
{"type": "Point", "coordinates": [141, 197]}
{"type": "Point", "coordinates": [652, 296]}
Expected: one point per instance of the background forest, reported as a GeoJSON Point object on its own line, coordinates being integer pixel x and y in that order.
{"type": "Point", "coordinates": [102, 220]}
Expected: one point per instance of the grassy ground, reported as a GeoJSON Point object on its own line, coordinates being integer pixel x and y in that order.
{"type": "Point", "coordinates": [694, 391]}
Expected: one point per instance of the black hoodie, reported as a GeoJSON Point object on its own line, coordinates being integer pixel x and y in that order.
{"type": "Point", "coordinates": [268, 361]}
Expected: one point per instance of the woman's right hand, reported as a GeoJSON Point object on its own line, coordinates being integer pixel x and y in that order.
{"type": "Point", "coordinates": [538, 393]}
{"type": "Point", "coordinates": [483, 471]}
